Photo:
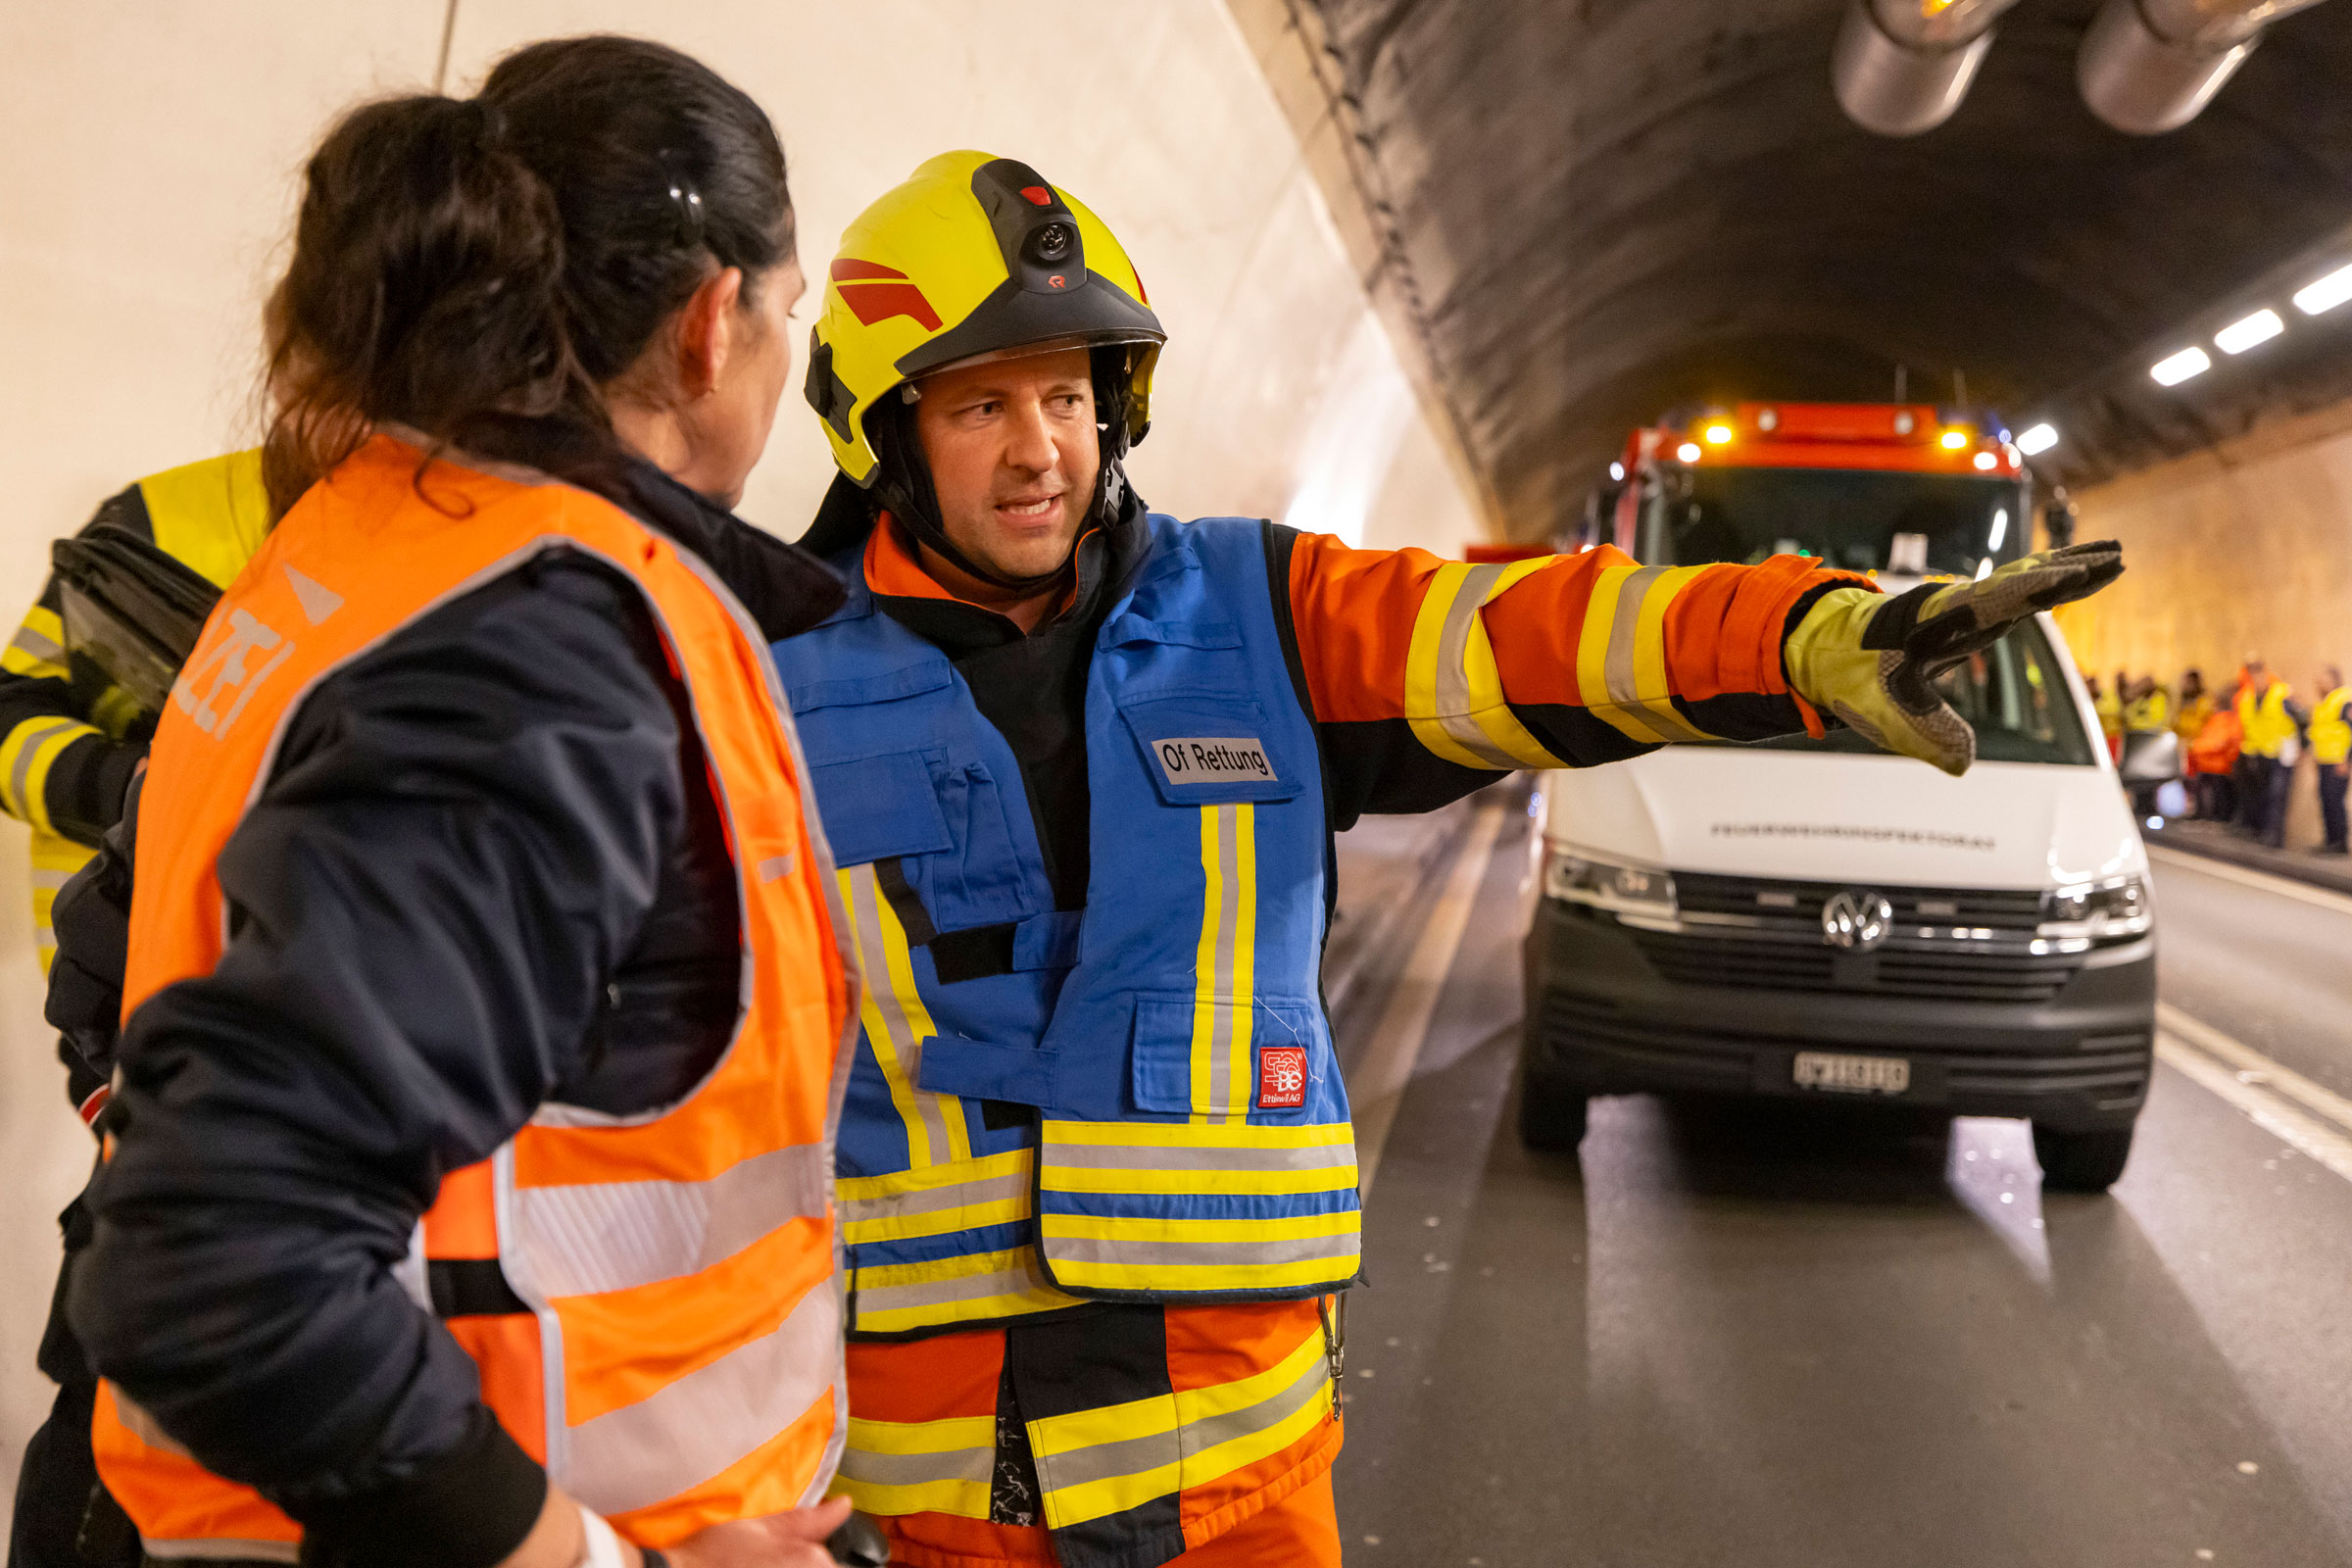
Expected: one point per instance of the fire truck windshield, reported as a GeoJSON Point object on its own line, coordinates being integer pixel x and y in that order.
{"type": "Point", "coordinates": [1860, 520]}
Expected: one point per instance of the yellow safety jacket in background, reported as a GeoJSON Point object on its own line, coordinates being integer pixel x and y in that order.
{"type": "Point", "coordinates": [211, 516]}
{"type": "Point", "coordinates": [2331, 731]}
{"type": "Point", "coordinates": [2150, 712]}
{"type": "Point", "coordinates": [2267, 723]}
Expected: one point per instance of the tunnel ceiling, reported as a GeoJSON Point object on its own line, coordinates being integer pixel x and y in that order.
{"type": "Point", "coordinates": [1607, 208]}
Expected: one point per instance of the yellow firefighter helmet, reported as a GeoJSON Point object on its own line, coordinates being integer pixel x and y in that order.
{"type": "Point", "coordinates": [973, 257]}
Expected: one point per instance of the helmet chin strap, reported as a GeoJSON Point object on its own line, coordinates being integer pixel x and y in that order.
{"type": "Point", "coordinates": [905, 489]}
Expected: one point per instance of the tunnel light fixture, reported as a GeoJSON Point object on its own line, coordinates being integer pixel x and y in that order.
{"type": "Point", "coordinates": [2239, 336]}
{"type": "Point", "coordinates": [1954, 440]}
{"type": "Point", "coordinates": [1986, 461]}
{"type": "Point", "coordinates": [2037, 440]}
{"type": "Point", "coordinates": [1688, 452]}
{"type": "Point", "coordinates": [2327, 293]}
{"type": "Point", "coordinates": [2175, 368]}
{"type": "Point", "coordinates": [1616, 473]}
{"type": "Point", "coordinates": [2001, 527]}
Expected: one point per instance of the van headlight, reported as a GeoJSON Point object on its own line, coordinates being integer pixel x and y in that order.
{"type": "Point", "coordinates": [1637, 894]}
{"type": "Point", "coordinates": [2112, 911]}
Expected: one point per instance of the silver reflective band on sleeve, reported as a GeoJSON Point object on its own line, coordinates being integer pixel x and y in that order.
{"type": "Point", "coordinates": [1620, 671]}
{"type": "Point", "coordinates": [203, 1549]}
{"type": "Point", "coordinates": [29, 641]}
{"type": "Point", "coordinates": [1167, 1157]}
{"type": "Point", "coordinates": [690, 1430]}
{"type": "Point", "coordinates": [1453, 674]}
{"type": "Point", "coordinates": [615, 1236]}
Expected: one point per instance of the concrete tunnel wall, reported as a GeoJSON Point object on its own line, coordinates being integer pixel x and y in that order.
{"type": "Point", "coordinates": [2245, 548]}
{"type": "Point", "coordinates": [155, 155]}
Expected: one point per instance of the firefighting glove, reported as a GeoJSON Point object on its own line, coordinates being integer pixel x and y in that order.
{"type": "Point", "coordinates": [1873, 660]}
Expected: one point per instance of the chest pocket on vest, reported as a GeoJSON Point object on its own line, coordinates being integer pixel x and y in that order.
{"type": "Point", "coordinates": [1206, 748]}
{"type": "Point", "coordinates": [944, 821]}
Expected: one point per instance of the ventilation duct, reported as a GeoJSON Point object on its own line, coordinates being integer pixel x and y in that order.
{"type": "Point", "coordinates": [2149, 66]}
{"type": "Point", "coordinates": [1902, 66]}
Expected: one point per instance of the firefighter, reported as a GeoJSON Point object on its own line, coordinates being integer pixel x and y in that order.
{"type": "Point", "coordinates": [2272, 727]}
{"type": "Point", "coordinates": [469, 1196]}
{"type": "Point", "coordinates": [2332, 750]}
{"type": "Point", "coordinates": [76, 741]}
{"type": "Point", "coordinates": [1080, 764]}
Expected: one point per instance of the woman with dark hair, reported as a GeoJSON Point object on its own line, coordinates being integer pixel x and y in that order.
{"type": "Point", "coordinates": [470, 1191]}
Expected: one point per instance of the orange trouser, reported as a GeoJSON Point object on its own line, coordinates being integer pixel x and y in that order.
{"type": "Point", "coordinates": [1301, 1530]}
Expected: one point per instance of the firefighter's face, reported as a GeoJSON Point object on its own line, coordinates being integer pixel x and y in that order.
{"type": "Point", "coordinates": [1013, 454]}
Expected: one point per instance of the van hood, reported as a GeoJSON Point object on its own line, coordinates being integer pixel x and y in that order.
{"type": "Point", "coordinates": [1806, 816]}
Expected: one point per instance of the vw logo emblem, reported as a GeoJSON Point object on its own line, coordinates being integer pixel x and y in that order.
{"type": "Point", "coordinates": [1856, 921]}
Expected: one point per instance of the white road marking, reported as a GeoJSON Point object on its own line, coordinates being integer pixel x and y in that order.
{"type": "Point", "coordinates": [2246, 1059]}
{"type": "Point", "coordinates": [2321, 1126]}
{"type": "Point", "coordinates": [2247, 876]}
{"type": "Point", "coordinates": [1378, 1082]}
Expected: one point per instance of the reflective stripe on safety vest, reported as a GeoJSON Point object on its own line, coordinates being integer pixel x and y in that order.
{"type": "Point", "coordinates": [651, 1300]}
{"type": "Point", "coordinates": [1621, 652]}
{"type": "Point", "coordinates": [1108, 1460]}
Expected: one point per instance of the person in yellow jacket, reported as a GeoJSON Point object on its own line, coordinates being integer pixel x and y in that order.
{"type": "Point", "coordinates": [2332, 750]}
{"type": "Point", "coordinates": [470, 1199]}
{"type": "Point", "coordinates": [1082, 761]}
{"type": "Point", "coordinates": [2107, 701]}
{"type": "Point", "coordinates": [2151, 710]}
{"type": "Point", "coordinates": [69, 741]}
{"type": "Point", "coordinates": [72, 744]}
{"type": "Point", "coordinates": [2272, 726]}
{"type": "Point", "coordinates": [2195, 705]}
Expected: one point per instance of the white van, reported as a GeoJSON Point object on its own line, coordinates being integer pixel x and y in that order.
{"type": "Point", "coordinates": [1815, 917]}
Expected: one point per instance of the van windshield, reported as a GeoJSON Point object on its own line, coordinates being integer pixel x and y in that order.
{"type": "Point", "coordinates": [1914, 524]}
{"type": "Point", "coordinates": [2014, 696]}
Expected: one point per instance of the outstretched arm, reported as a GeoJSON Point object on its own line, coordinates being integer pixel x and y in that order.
{"type": "Point", "coordinates": [1428, 676]}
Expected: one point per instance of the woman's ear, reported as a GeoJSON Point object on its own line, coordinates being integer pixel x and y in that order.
{"type": "Point", "coordinates": [710, 331]}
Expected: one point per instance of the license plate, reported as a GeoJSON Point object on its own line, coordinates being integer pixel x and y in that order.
{"type": "Point", "coordinates": [1833, 1073]}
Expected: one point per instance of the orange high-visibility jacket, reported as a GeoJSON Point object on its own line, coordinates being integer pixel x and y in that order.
{"type": "Point", "coordinates": [677, 1360]}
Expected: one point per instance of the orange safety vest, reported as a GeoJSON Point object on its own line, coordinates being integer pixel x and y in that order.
{"type": "Point", "coordinates": [679, 1361]}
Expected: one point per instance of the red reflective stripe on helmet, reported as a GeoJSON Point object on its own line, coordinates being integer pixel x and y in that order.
{"type": "Point", "coordinates": [879, 301]}
{"type": "Point", "coordinates": [848, 267]}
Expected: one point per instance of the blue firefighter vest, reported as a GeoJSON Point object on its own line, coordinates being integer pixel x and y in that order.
{"type": "Point", "coordinates": [1135, 1102]}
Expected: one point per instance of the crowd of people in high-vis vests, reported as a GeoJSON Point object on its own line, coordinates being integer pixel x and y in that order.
{"type": "Point", "coordinates": [2238, 748]}
{"type": "Point", "coordinates": [615, 1039]}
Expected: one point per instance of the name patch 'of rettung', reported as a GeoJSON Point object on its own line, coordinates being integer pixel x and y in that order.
{"type": "Point", "coordinates": [1212, 760]}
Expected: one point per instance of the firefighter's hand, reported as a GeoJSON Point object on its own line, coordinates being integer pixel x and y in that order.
{"type": "Point", "coordinates": [1872, 660]}
{"type": "Point", "coordinates": [795, 1540]}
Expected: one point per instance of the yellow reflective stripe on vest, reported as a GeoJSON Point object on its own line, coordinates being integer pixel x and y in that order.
{"type": "Point", "coordinates": [901, 1467]}
{"type": "Point", "coordinates": [588, 1238]}
{"type": "Point", "coordinates": [897, 1023]}
{"type": "Point", "coordinates": [895, 1298]}
{"type": "Point", "coordinates": [993, 1189]}
{"type": "Point", "coordinates": [1224, 964]}
{"type": "Point", "coordinates": [1097, 1462]}
{"type": "Point", "coordinates": [1621, 655]}
{"type": "Point", "coordinates": [1151, 1253]}
{"type": "Point", "coordinates": [1454, 697]}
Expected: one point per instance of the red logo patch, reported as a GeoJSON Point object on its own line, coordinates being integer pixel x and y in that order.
{"type": "Point", "coordinates": [1038, 195]}
{"type": "Point", "coordinates": [1281, 1077]}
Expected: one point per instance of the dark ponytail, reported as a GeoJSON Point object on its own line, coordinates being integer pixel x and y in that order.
{"type": "Point", "coordinates": [465, 267]}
